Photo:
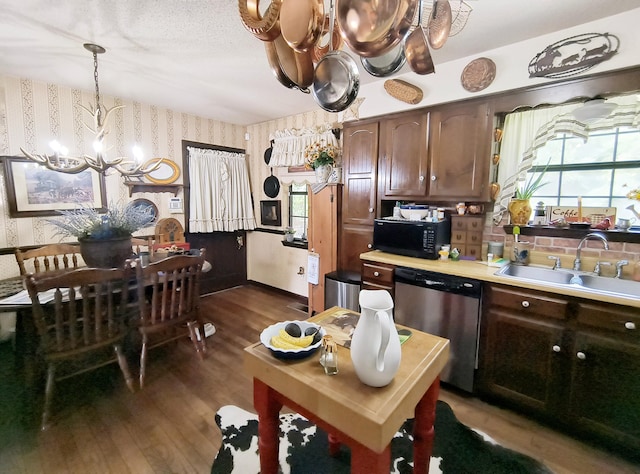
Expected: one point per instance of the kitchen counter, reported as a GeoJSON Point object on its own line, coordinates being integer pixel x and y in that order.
{"type": "Point", "coordinates": [479, 270]}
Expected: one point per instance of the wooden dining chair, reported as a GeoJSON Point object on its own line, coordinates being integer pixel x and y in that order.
{"type": "Point", "coordinates": [79, 315]}
{"type": "Point", "coordinates": [48, 258]}
{"type": "Point", "coordinates": [169, 302]}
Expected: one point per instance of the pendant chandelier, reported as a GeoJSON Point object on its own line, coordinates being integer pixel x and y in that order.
{"type": "Point", "coordinates": [62, 162]}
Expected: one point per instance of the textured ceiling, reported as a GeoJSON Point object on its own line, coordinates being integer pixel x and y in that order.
{"type": "Point", "coordinates": [195, 55]}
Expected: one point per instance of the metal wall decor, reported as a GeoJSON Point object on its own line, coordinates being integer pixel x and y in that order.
{"type": "Point", "coordinates": [573, 55]}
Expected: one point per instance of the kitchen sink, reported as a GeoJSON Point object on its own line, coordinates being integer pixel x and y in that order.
{"type": "Point", "coordinates": [610, 285]}
{"type": "Point", "coordinates": [579, 280]}
{"type": "Point", "coordinates": [541, 274]}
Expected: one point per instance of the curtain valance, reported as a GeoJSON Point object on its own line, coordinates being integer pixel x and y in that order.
{"type": "Point", "coordinates": [289, 144]}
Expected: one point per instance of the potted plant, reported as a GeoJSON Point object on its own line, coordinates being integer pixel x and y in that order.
{"type": "Point", "coordinates": [321, 157]}
{"type": "Point", "coordinates": [520, 206]}
{"type": "Point", "coordinates": [105, 239]}
{"type": "Point", "coordinates": [289, 234]}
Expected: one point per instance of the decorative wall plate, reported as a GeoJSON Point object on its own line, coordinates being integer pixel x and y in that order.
{"type": "Point", "coordinates": [167, 173]}
{"type": "Point", "coordinates": [145, 204]}
{"type": "Point", "coordinates": [478, 74]}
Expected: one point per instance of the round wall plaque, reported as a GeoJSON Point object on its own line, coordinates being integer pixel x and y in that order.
{"type": "Point", "coordinates": [478, 74]}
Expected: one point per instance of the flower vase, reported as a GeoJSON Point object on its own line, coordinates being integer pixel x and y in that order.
{"type": "Point", "coordinates": [519, 211]}
{"type": "Point", "coordinates": [289, 237]}
{"type": "Point", "coordinates": [322, 173]}
{"type": "Point", "coordinates": [106, 253]}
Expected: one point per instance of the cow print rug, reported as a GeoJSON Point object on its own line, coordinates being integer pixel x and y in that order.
{"type": "Point", "coordinates": [304, 449]}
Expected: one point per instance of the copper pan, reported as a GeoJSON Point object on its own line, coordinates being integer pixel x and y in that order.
{"type": "Point", "coordinates": [439, 25]}
{"type": "Point", "coordinates": [320, 49]}
{"type": "Point", "coordinates": [416, 49]}
{"type": "Point", "coordinates": [267, 27]}
{"type": "Point", "coordinates": [372, 27]}
{"type": "Point", "coordinates": [301, 22]}
{"type": "Point", "coordinates": [292, 68]}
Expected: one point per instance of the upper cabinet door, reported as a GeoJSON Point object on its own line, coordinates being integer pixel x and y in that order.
{"type": "Point", "coordinates": [359, 169]}
{"type": "Point", "coordinates": [459, 151]}
{"type": "Point", "coordinates": [404, 161]}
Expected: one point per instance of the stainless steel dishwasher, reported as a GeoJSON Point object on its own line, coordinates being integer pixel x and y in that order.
{"type": "Point", "coordinates": [446, 306]}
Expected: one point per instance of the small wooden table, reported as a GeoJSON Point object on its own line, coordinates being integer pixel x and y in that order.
{"type": "Point", "coordinates": [362, 417]}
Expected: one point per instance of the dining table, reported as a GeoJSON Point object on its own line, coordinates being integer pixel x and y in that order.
{"type": "Point", "coordinates": [362, 417]}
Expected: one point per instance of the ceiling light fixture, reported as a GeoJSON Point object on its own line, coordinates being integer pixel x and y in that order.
{"type": "Point", "coordinates": [594, 110]}
{"type": "Point", "coordinates": [62, 162]}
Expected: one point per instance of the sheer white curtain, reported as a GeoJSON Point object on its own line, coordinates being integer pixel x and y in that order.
{"type": "Point", "coordinates": [220, 198]}
{"type": "Point", "coordinates": [526, 132]}
{"type": "Point", "coordinates": [289, 145]}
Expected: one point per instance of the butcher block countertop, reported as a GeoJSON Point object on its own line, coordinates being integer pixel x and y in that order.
{"type": "Point", "coordinates": [479, 270]}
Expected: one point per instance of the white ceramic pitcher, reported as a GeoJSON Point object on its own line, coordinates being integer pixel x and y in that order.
{"type": "Point", "coordinates": [375, 345]}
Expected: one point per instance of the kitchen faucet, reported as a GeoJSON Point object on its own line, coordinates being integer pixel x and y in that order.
{"type": "Point", "coordinates": [590, 236]}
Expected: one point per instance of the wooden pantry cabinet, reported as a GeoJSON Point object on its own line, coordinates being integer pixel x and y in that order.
{"type": "Point", "coordinates": [571, 361]}
{"type": "Point", "coordinates": [360, 177]}
{"type": "Point", "coordinates": [324, 215]}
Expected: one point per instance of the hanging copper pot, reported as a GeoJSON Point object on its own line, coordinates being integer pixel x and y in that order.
{"type": "Point", "coordinates": [495, 191]}
{"type": "Point", "coordinates": [301, 22]}
{"type": "Point", "coordinates": [265, 28]}
{"type": "Point", "coordinates": [416, 49]}
{"type": "Point", "coordinates": [320, 49]}
{"type": "Point", "coordinates": [372, 27]}
{"type": "Point", "coordinates": [292, 68]}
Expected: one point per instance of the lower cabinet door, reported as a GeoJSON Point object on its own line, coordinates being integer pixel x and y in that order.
{"type": "Point", "coordinates": [523, 360]}
{"type": "Point", "coordinates": [605, 387]}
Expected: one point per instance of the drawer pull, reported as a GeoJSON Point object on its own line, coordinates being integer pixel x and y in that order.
{"type": "Point", "coordinates": [629, 325]}
{"type": "Point", "coordinates": [556, 348]}
{"type": "Point", "coordinates": [525, 304]}
{"type": "Point", "coordinates": [376, 274]}
{"type": "Point", "coordinates": [369, 246]}
{"type": "Point", "coordinates": [581, 355]}
{"type": "Point", "coordinates": [371, 210]}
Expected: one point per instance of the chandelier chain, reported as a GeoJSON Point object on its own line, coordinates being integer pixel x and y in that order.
{"type": "Point", "coordinates": [95, 77]}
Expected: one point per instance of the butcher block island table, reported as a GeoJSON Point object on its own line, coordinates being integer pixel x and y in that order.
{"type": "Point", "coordinates": [362, 417]}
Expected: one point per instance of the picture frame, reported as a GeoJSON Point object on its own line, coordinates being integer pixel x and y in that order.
{"type": "Point", "coordinates": [270, 213]}
{"type": "Point", "coordinates": [35, 191]}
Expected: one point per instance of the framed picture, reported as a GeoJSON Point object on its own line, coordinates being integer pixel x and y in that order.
{"type": "Point", "coordinates": [270, 213]}
{"type": "Point", "coordinates": [33, 190]}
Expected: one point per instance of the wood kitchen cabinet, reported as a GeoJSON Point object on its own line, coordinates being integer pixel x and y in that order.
{"type": "Point", "coordinates": [571, 361]}
{"type": "Point", "coordinates": [466, 235]}
{"type": "Point", "coordinates": [360, 176]}
{"type": "Point", "coordinates": [460, 137]}
{"type": "Point", "coordinates": [377, 276]}
{"type": "Point", "coordinates": [523, 338]}
{"type": "Point", "coordinates": [404, 163]}
{"type": "Point", "coordinates": [324, 215]}
{"type": "Point", "coordinates": [605, 372]}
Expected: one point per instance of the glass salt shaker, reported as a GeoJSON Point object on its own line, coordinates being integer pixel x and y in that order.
{"type": "Point", "coordinates": [329, 357]}
{"type": "Point", "coordinates": [325, 339]}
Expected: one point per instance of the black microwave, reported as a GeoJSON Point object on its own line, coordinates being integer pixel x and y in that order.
{"type": "Point", "coordinates": [411, 238]}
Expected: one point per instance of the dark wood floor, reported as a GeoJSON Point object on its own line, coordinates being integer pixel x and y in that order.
{"type": "Point", "coordinates": [169, 427]}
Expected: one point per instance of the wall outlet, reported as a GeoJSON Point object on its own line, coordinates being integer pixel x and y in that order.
{"type": "Point", "coordinates": [175, 205]}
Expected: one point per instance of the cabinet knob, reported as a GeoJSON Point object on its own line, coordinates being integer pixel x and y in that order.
{"type": "Point", "coordinates": [629, 325]}
{"type": "Point", "coordinates": [525, 304]}
{"type": "Point", "coordinates": [556, 348]}
{"type": "Point", "coordinates": [376, 274]}
{"type": "Point", "coordinates": [370, 209]}
{"type": "Point", "coordinates": [369, 246]}
{"type": "Point", "coordinates": [421, 179]}
{"type": "Point", "coordinates": [433, 177]}
{"type": "Point", "coordinates": [581, 355]}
